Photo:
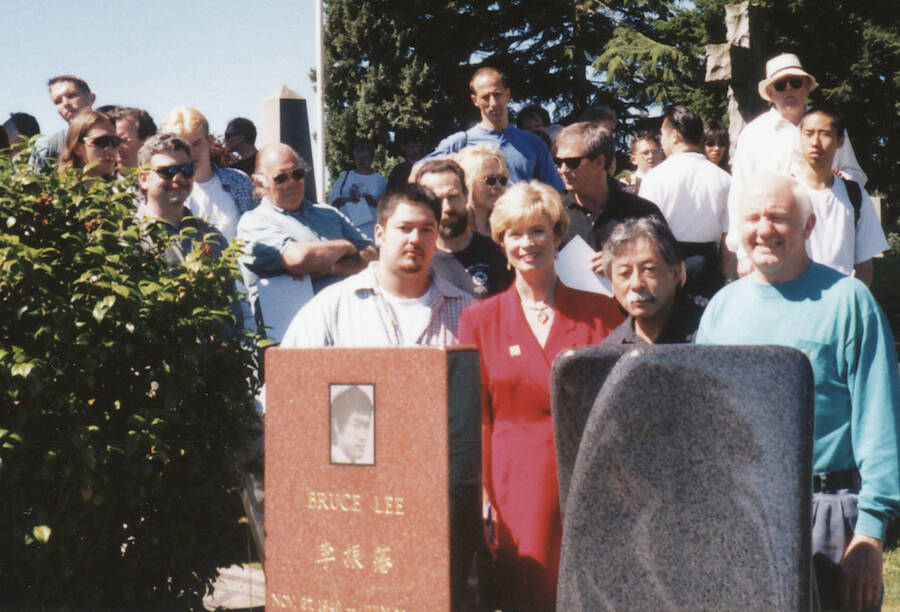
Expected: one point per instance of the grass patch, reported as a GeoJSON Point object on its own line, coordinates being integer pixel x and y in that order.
{"type": "Point", "coordinates": [892, 579]}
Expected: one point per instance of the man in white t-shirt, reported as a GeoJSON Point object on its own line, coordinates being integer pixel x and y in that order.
{"type": "Point", "coordinates": [220, 195]}
{"type": "Point", "coordinates": [692, 193]}
{"type": "Point", "coordinates": [847, 234]}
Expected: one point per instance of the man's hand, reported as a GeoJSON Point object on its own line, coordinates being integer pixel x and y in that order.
{"type": "Point", "coordinates": [314, 258]}
{"type": "Point", "coordinates": [861, 572]}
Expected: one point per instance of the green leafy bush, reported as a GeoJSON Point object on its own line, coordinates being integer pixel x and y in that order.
{"type": "Point", "coordinates": [126, 403]}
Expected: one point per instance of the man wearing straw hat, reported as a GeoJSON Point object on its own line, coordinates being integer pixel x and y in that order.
{"type": "Point", "coordinates": [770, 142]}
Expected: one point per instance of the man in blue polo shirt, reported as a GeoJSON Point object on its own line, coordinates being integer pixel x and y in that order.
{"type": "Point", "coordinates": [527, 157]}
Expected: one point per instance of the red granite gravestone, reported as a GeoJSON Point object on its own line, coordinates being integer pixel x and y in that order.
{"type": "Point", "coordinates": [358, 475]}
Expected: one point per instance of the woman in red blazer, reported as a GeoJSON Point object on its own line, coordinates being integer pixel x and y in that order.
{"type": "Point", "coordinates": [519, 332]}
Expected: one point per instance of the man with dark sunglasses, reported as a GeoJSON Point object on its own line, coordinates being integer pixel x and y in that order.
{"type": "Point", "coordinates": [287, 234]}
{"type": "Point", "coordinates": [166, 179]}
{"type": "Point", "coordinates": [595, 201]}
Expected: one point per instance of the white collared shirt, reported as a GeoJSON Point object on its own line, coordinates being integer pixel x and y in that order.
{"type": "Point", "coordinates": [692, 193]}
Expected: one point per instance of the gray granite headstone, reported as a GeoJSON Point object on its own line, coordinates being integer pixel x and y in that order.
{"type": "Point", "coordinates": [691, 489]}
{"type": "Point", "coordinates": [575, 381]}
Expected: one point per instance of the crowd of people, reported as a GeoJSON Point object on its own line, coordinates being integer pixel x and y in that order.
{"type": "Point", "coordinates": [458, 246]}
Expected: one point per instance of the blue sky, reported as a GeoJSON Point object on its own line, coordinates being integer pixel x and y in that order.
{"type": "Point", "coordinates": [222, 58]}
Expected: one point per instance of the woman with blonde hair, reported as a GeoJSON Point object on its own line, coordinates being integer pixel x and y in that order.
{"type": "Point", "coordinates": [91, 139]}
{"type": "Point", "coordinates": [519, 333]}
{"type": "Point", "coordinates": [486, 179]}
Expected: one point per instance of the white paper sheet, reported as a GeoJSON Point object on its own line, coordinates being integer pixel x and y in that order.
{"type": "Point", "coordinates": [574, 270]}
{"type": "Point", "coordinates": [280, 298]}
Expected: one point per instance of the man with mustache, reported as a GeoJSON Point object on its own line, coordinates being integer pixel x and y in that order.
{"type": "Point", "coordinates": [469, 260]}
{"type": "Point", "coordinates": [396, 301]}
{"type": "Point", "coordinates": [647, 274]}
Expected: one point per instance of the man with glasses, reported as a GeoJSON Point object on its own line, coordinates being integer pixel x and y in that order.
{"type": "Point", "coordinates": [287, 234]}
{"type": "Point", "coordinates": [769, 142]}
{"type": "Point", "coordinates": [166, 178]}
{"type": "Point", "coordinates": [595, 201]}
{"type": "Point", "coordinates": [527, 157]}
{"type": "Point", "coordinates": [469, 260]}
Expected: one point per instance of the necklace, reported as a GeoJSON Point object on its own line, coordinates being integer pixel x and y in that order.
{"type": "Point", "coordinates": [542, 310]}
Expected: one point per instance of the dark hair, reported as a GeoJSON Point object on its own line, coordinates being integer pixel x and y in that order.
{"type": "Point", "coordinates": [80, 84]}
{"type": "Point", "coordinates": [837, 119]}
{"type": "Point", "coordinates": [684, 121]}
{"type": "Point", "coordinates": [532, 110]}
{"type": "Point", "coordinates": [439, 166]}
{"type": "Point", "coordinates": [650, 228]}
{"type": "Point", "coordinates": [408, 193]}
{"type": "Point", "coordinates": [644, 136]}
{"type": "Point", "coordinates": [161, 143]}
{"type": "Point", "coordinates": [146, 125]}
{"type": "Point", "coordinates": [348, 402]}
{"type": "Point", "coordinates": [4, 139]}
{"type": "Point", "coordinates": [244, 127]}
{"type": "Point", "coordinates": [486, 70]}
{"type": "Point", "coordinates": [714, 132]}
{"type": "Point", "coordinates": [598, 114]}
{"type": "Point", "coordinates": [596, 139]}
{"type": "Point", "coordinates": [108, 109]}
{"type": "Point", "coordinates": [25, 124]}
{"type": "Point", "coordinates": [364, 145]}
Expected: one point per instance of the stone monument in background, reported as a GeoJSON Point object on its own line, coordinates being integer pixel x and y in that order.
{"type": "Point", "coordinates": [739, 62]}
{"type": "Point", "coordinates": [692, 481]}
{"type": "Point", "coordinates": [285, 119]}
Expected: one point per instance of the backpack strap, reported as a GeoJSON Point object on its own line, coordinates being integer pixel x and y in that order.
{"type": "Point", "coordinates": [855, 193]}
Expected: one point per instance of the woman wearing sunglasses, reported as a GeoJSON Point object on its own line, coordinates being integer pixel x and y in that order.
{"type": "Point", "coordinates": [519, 333]}
{"type": "Point", "coordinates": [91, 143]}
{"type": "Point", "coordinates": [716, 144]}
{"type": "Point", "coordinates": [486, 179]}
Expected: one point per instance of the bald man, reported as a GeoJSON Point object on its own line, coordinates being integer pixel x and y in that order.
{"type": "Point", "coordinates": [287, 234]}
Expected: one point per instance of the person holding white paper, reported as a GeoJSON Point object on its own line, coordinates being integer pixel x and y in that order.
{"type": "Point", "coordinates": [595, 201]}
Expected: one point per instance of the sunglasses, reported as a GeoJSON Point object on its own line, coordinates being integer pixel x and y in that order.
{"type": "Point", "coordinates": [490, 181]}
{"type": "Point", "coordinates": [795, 82]}
{"type": "Point", "coordinates": [572, 163]}
{"type": "Point", "coordinates": [169, 172]}
{"type": "Point", "coordinates": [104, 142]}
{"type": "Point", "coordinates": [298, 174]}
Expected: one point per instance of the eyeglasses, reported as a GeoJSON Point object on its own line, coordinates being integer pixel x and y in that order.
{"type": "Point", "coordinates": [298, 174]}
{"type": "Point", "coordinates": [169, 172]}
{"type": "Point", "coordinates": [795, 82]}
{"type": "Point", "coordinates": [572, 163]}
{"type": "Point", "coordinates": [104, 142]}
{"type": "Point", "coordinates": [490, 181]}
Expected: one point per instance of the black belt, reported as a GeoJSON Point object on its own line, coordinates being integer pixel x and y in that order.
{"type": "Point", "coordinates": [834, 481]}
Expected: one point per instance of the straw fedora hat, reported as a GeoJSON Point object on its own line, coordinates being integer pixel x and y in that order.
{"type": "Point", "coordinates": [780, 66]}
